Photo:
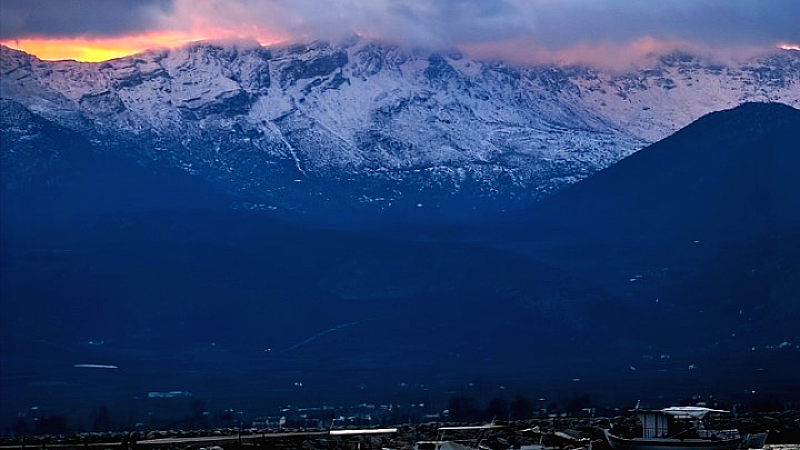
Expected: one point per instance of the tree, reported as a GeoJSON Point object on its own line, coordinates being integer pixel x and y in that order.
{"type": "Point", "coordinates": [102, 420]}
{"type": "Point", "coordinates": [521, 407]}
{"type": "Point", "coordinates": [462, 408]}
{"type": "Point", "coordinates": [498, 409]}
{"type": "Point", "coordinates": [578, 403]}
{"type": "Point", "coordinates": [55, 424]}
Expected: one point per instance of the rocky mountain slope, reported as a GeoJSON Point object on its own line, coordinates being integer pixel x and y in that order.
{"type": "Point", "coordinates": [310, 127]}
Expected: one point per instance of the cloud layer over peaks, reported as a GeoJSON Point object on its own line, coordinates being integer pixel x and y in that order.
{"type": "Point", "coordinates": [512, 27]}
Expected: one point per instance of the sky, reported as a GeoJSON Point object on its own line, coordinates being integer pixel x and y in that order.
{"type": "Point", "coordinates": [518, 31]}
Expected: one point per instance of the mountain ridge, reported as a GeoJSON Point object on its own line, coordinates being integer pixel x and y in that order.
{"type": "Point", "coordinates": [375, 127]}
{"type": "Point", "coordinates": [699, 230]}
{"type": "Point", "coordinates": [727, 175]}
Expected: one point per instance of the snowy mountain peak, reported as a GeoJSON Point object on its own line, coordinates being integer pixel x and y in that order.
{"type": "Point", "coordinates": [373, 124]}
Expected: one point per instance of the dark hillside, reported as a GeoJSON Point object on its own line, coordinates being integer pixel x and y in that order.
{"type": "Point", "coordinates": [731, 174]}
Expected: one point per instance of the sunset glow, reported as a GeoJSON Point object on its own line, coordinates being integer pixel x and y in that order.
{"type": "Point", "coordinates": [521, 31]}
{"type": "Point", "coordinates": [94, 50]}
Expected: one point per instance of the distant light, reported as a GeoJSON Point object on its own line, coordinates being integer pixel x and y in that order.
{"type": "Point", "coordinates": [787, 46]}
{"type": "Point", "coordinates": [95, 366]}
{"type": "Point", "coordinates": [170, 394]}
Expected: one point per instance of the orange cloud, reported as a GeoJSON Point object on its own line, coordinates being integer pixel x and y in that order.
{"type": "Point", "coordinates": [103, 49]}
{"type": "Point", "coordinates": [521, 50]}
{"type": "Point", "coordinates": [92, 50]}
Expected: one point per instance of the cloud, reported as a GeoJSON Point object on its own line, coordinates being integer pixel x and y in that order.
{"type": "Point", "coordinates": [90, 18]}
{"type": "Point", "coordinates": [712, 23]}
{"type": "Point", "coordinates": [615, 56]}
{"type": "Point", "coordinates": [520, 30]}
{"type": "Point", "coordinates": [433, 23]}
{"type": "Point", "coordinates": [613, 33]}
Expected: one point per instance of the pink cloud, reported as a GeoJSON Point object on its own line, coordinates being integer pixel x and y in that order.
{"type": "Point", "coordinates": [635, 54]}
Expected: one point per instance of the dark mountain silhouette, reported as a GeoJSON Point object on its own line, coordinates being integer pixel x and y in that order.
{"type": "Point", "coordinates": [697, 235]}
{"type": "Point", "coordinates": [51, 176]}
{"type": "Point", "coordinates": [730, 174]}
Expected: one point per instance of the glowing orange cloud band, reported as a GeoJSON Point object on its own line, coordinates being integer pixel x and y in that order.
{"type": "Point", "coordinates": [82, 49]}
{"type": "Point", "coordinates": [513, 50]}
{"type": "Point", "coordinates": [103, 49]}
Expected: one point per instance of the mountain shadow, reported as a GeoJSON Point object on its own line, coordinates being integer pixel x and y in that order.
{"type": "Point", "coordinates": [697, 236]}
{"type": "Point", "coordinates": [729, 175]}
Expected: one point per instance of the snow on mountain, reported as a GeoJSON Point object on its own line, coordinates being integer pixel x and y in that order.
{"type": "Point", "coordinates": [304, 125]}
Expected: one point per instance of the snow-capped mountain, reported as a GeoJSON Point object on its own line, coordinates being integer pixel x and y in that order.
{"type": "Point", "coordinates": [362, 123]}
